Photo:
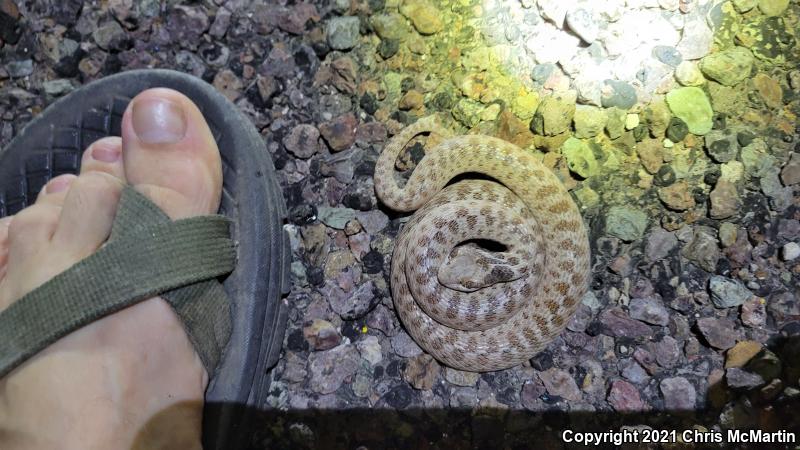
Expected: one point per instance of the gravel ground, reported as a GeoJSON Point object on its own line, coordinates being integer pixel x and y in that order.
{"type": "Point", "coordinates": [687, 171]}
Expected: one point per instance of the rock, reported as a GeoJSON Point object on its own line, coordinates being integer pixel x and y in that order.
{"type": "Point", "coordinates": [679, 394]}
{"type": "Point", "coordinates": [633, 371]}
{"type": "Point", "coordinates": [404, 346]}
{"type": "Point", "coordinates": [790, 251]}
{"type": "Point", "coordinates": [335, 217]}
{"type": "Point", "coordinates": [688, 74]}
{"type": "Point", "coordinates": [677, 196]}
{"type": "Point", "coordinates": [667, 55]}
{"type": "Point", "coordinates": [589, 121]}
{"type": "Point", "coordinates": [321, 335]}
{"type": "Point", "coordinates": [677, 130]}
{"type": "Point", "coordinates": [340, 132]}
{"type": "Point", "coordinates": [790, 174]}
{"type": "Point", "coordinates": [773, 7]}
{"type": "Point", "coordinates": [390, 26]}
{"type": "Point", "coordinates": [754, 312]}
{"type": "Point", "coordinates": [721, 146]}
{"type": "Point", "coordinates": [725, 200]}
{"type": "Point", "coordinates": [650, 310]}
{"type": "Point", "coordinates": [222, 21]}
{"type": "Point", "coordinates": [659, 244]}
{"type": "Point", "coordinates": [744, 6]}
{"type": "Point", "coordinates": [110, 36]}
{"type": "Point", "coordinates": [741, 353]}
{"type": "Point", "coordinates": [718, 332]}
{"type": "Point", "coordinates": [580, 157]}
{"type": "Point", "coordinates": [766, 364]}
{"type": "Point", "coordinates": [556, 10]}
{"type": "Point", "coordinates": [691, 105]}
{"type": "Point", "coordinates": [228, 84]}
{"type": "Point", "coordinates": [461, 378]}
{"type": "Point", "coordinates": [330, 368]}
{"type": "Point", "coordinates": [626, 223]}
{"type": "Point", "coordinates": [58, 87]}
{"type": "Point", "coordinates": [20, 69]}
{"type": "Point", "coordinates": [9, 22]}
{"type": "Point", "coordinates": [302, 141]}
{"type": "Point", "coordinates": [554, 114]}
{"type": "Point", "coordinates": [186, 24]}
{"type": "Point", "coordinates": [727, 234]}
{"type": "Point", "coordinates": [702, 249]}
{"type": "Point", "coordinates": [727, 293]}
{"type": "Point", "coordinates": [615, 322]}
{"type": "Point", "coordinates": [657, 116]}
{"type": "Point", "coordinates": [582, 22]}
{"type": "Point", "coordinates": [421, 372]}
{"type": "Point", "coordinates": [615, 124]}
{"type": "Point", "coordinates": [618, 94]}
{"type": "Point", "coordinates": [667, 351]}
{"type": "Point", "coordinates": [357, 304]}
{"type": "Point", "coordinates": [560, 383]}
{"type": "Point", "coordinates": [769, 89]}
{"type": "Point", "coordinates": [651, 154]}
{"type": "Point", "coordinates": [728, 67]}
{"type": "Point", "coordinates": [423, 15]}
{"type": "Point", "coordinates": [370, 350]}
{"type": "Point", "coordinates": [738, 378]}
{"type": "Point", "coordinates": [696, 40]}
{"type": "Point", "coordinates": [343, 32]}
{"type": "Point", "coordinates": [625, 398]}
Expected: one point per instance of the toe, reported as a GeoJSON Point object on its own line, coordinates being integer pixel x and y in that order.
{"type": "Point", "coordinates": [104, 155]}
{"type": "Point", "coordinates": [55, 190]}
{"type": "Point", "coordinates": [4, 223]}
{"type": "Point", "coordinates": [170, 154]}
{"type": "Point", "coordinates": [31, 230]}
{"type": "Point", "coordinates": [88, 213]}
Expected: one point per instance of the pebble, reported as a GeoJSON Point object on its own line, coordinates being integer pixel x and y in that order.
{"type": "Point", "coordinates": [718, 332]}
{"type": "Point", "coordinates": [330, 368]}
{"type": "Point", "coordinates": [580, 157]}
{"type": "Point", "coordinates": [404, 346]}
{"type": "Point", "coordinates": [615, 322]}
{"type": "Point", "coordinates": [742, 353]}
{"type": "Point", "coordinates": [744, 6]}
{"type": "Point", "coordinates": [370, 350]}
{"type": "Point", "coordinates": [790, 174]}
{"type": "Point", "coordinates": [725, 201]}
{"type": "Point", "coordinates": [651, 153]}
{"type": "Point", "coordinates": [186, 25]}
{"type": "Point", "coordinates": [335, 217]}
{"type": "Point", "coordinates": [554, 114]}
{"type": "Point", "coordinates": [620, 94]}
{"type": "Point", "coordinates": [769, 89]}
{"type": "Point", "coordinates": [343, 32]}
{"type": "Point", "coordinates": [790, 251]}
{"type": "Point", "coordinates": [667, 55]}
{"type": "Point", "coordinates": [691, 105]}
{"type": "Point", "coordinates": [421, 371]}
{"type": "Point", "coordinates": [560, 383]}
{"type": "Point", "coordinates": [582, 22]}
{"type": "Point", "coordinates": [340, 132]}
{"type": "Point", "coordinates": [633, 371]}
{"type": "Point", "coordinates": [688, 74]}
{"type": "Point", "coordinates": [702, 249]}
{"type": "Point", "coordinates": [625, 398]}
{"type": "Point", "coordinates": [589, 121]}
{"type": "Point", "coordinates": [754, 312]}
{"type": "Point", "coordinates": [357, 304]}
{"type": "Point", "coordinates": [460, 378]}
{"type": "Point", "coordinates": [679, 394]}
{"type": "Point", "coordinates": [626, 223]}
{"type": "Point", "coordinates": [677, 196]}
{"type": "Point", "coordinates": [667, 351]}
{"type": "Point", "coordinates": [738, 378]}
{"type": "Point", "coordinates": [321, 335]}
{"type": "Point", "coordinates": [650, 310]}
{"type": "Point", "coordinates": [659, 244]}
{"type": "Point", "coordinates": [110, 36]}
{"type": "Point", "coordinates": [728, 67]}
{"type": "Point", "coordinates": [721, 146]}
{"type": "Point", "coordinates": [425, 17]}
{"type": "Point", "coordinates": [58, 87]}
{"type": "Point", "coordinates": [302, 141]}
{"type": "Point", "coordinates": [773, 7]}
{"type": "Point", "coordinates": [727, 293]}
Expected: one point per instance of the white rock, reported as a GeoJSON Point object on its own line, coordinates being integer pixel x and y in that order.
{"type": "Point", "coordinates": [556, 10]}
{"type": "Point", "coordinates": [631, 121]}
{"type": "Point", "coordinates": [790, 251]}
{"type": "Point", "coordinates": [584, 23]}
{"type": "Point", "coordinates": [688, 74]}
{"type": "Point", "coordinates": [697, 39]}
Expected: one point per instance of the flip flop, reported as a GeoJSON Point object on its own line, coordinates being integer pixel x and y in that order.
{"type": "Point", "coordinates": [252, 204]}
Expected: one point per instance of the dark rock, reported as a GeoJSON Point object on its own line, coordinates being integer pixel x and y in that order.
{"type": "Point", "coordinates": [677, 130]}
{"type": "Point", "coordinates": [388, 48]}
{"type": "Point", "coordinates": [302, 141]}
{"type": "Point", "coordinates": [10, 30]}
{"type": "Point", "coordinates": [186, 24]}
{"type": "Point", "coordinates": [665, 176]}
{"type": "Point", "coordinates": [330, 368]}
{"type": "Point", "coordinates": [357, 304]}
{"type": "Point", "coordinates": [399, 397]}
{"type": "Point", "coordinates": [742, 379]}
{"type": "Point", "coordinates": [340, 133]}
{"type": "Point", "coordinates": [321, 335]}
{"type": "Point", "coordinates": [422, 372]}
{"type": "Point", "coordinates": [618, 94]}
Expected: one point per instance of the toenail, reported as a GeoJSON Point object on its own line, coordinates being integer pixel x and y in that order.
{"type": "Point", "coordinates": [158, 121]}
{"type": "Point", "coordinates": [106, 153]}
{"type": "Point", "coordinates": [59, 184]}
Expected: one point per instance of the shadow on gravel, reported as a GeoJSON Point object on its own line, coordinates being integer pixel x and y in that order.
{"type": "Point", "coordinates": [507, 429]}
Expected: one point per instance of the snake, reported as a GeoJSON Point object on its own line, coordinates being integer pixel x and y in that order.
{"type": "Point", "coordinates": [486, 272]}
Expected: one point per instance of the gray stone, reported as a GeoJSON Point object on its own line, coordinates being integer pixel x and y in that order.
{"type": "Point", "coordinates": [725, 200]}
{"type": "Point", "coordinates": [560, 382]}
{"type": "Point", "coordinates": [650, 310]}
{"type": "Point", "coordinates": [370, 349]}
{"type": "Point", "coordinates": [727, 293]}
{"type": "Point", "coordinates": [626, 223]}
{"type": "Point", "coordinates": [659, 243]}
{"type": "Point", "coordinates": [357, 304]}
{"type": "Point", "coordinates": [404, 346]}
{"type": "Point", "coordinates": [790, 251]}
{"type": "Point", "coordinates": [633, 371]}
{"type": "Point", "coordinates": [109, 36]}
{"type": "Point", "coordinates": [667, 351]}
{"type": "Point", "coordinates": [335, 217]}
{"type": "Point", "coordinates": [721, 146]}
{"type": "Point", "coordinates": [618, 94]}
{"type": "Point", "coordinates": [679, 394]}
{"type": "Point", "coordinates": [461, 378]}
{"type": "Point", "coordinates": [329, 369]}
{"type": "Point", "coordinates": [696, 40]}
{"type": "Point", "coordinates": [703, 249]}
{"type": "Point", "coordinates": [667, 55]}
{"type": "Point", "coordinates": [58, 87]}
{"type": "Point", "coordinates": [19, 69]}
{"type": "Point", "coordinates": [343, 32]}
{"type": "Point", "coordinates": [615, 322]}
{"type": "Point", "coordinates": [742, 379]}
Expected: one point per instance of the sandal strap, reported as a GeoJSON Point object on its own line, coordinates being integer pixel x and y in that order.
{"type": "Point", "coordinates": [146, 256]}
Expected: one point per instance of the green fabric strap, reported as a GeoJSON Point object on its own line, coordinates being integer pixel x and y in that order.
{"type": "Point", "coordinates": [147, 255]}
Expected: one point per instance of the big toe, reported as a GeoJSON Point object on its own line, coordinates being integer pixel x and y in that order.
{"type": "Point", "coordinates": [170, 154]}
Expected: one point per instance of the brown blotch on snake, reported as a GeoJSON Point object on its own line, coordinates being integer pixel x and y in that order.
{"type": "Point", "coordinates": [527, 210]}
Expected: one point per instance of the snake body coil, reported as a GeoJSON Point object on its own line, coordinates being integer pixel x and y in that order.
{"type": "Point", "coordinates": [473, 309]}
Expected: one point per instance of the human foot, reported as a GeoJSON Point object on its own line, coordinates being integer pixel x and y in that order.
{"type": "Point", "coordinates": [101, 386]}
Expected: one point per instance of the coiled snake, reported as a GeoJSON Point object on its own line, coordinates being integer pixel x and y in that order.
{"type": "Point", "coordinates": [474, 309]}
